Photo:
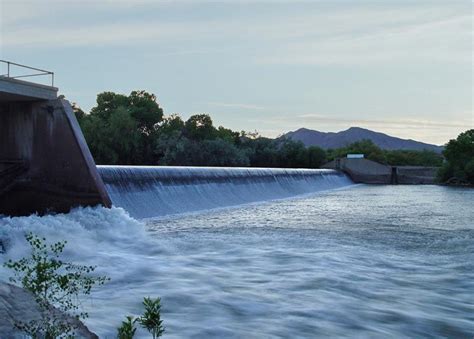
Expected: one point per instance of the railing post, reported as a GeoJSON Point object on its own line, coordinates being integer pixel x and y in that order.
{"type": "Point", "coordinates": [8, 69]}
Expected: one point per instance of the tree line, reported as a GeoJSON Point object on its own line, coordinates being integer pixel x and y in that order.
{"type": "Point", "coordinates": [388, 157]}
{"type": "Point", "coordinates": [133, 130]}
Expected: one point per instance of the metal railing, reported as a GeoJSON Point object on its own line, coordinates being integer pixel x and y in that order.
{"type": "Point", "coordinates": [11, 71]}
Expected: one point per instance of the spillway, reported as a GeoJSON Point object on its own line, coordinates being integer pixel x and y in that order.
{"type": "Point", "coordinates": [156, 191]}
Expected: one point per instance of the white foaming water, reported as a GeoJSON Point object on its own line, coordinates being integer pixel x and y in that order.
{"type": "Point", "coordinates": [107, 238]}
{"type": "Point", "coordinates": [146, 191]}
{"type": "Point", "coordinates": [94, 235]}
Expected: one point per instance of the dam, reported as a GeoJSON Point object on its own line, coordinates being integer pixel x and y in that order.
{"type": "Point", "coordinates": [152, 191]}
{"type": "Point", "coordinates": [46, 166]}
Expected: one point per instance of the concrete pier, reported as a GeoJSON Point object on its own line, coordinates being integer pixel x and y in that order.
{"type": "Point", "coordinates": [45, 164]}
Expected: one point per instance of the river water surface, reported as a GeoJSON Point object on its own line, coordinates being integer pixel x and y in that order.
{"type": "Point", "coordinates": [364, 261]}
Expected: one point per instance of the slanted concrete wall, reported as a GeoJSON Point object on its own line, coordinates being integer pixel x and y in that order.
{"type": "Point", "coordinates": [416, 175]}
{"type": "Point", "coordinates": [57, 171]}
{"type": "Point", "coordinates": [363, 170]}
{"type": "Point", "coordinates": [370, 172]}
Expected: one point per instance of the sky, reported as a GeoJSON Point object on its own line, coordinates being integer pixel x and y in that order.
{"type": "Point", "coordinates": [404, 68]}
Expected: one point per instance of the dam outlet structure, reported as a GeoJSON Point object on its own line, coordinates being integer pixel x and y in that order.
{"type": "Point", "coordinates": [45, 164]}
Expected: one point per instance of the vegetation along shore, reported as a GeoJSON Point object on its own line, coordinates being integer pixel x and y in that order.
{"type": "Point", "coordinates": [133, 130]}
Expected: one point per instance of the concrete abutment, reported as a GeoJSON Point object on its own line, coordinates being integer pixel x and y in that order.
{"type": "Point", "coordinates": [45, 164]}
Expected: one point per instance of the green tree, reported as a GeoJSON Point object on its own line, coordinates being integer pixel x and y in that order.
{"type": "Point", "coordinates": [291, 153]}
{"type": "Point", "coordinates": [121, 129]}
{"type": "Point", "coordinates": [115, 141]}
{"type": "Point", "coordinates": [94, 129]}
{"type": "Point", "coordinates": [365, 146]}
{"type": "Point", "coordinates": [220, 152]}
{"type": "Point", "coordinates": [413, 158]}
{"type": "Point", "coordinates": [169, 140]}
{"type": "Point", "coordinates": [108, 102]}
{"type": "Point", "coordinates": [126, 149]}
{"type": "Point", "coordinates": [199, 127]}
{"type": "Point", "coordinates": [171, 124]}
{"type": "Point", "coordinates": [145, 110]}
{"type": "Point", "coordinates": [228, 135]}
{"type": "Point", "coordinates": [262, 152]}
{"type": "Point", "coordinates": [78, 112]}
{"type": "Point", "coordinates": [459, 155]}
{"type": "Point", "coordinates": [315, 157]}
{"type": "Point", "coordinates": [56, 286]}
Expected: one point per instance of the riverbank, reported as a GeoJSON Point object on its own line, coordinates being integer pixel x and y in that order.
{"type": "Point", "coordinates": [18, 304]}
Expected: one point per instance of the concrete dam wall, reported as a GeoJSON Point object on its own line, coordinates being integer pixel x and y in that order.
{"type": "Point", "coordinates": [157, 191]}
{"type": "Point", "coordinates": [370, 172]}
{"type": "Point", "coordinates": [45, 164]}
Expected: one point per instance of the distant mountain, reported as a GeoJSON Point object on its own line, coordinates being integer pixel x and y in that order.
{"type": "Point", "coordinates": [353, 134]}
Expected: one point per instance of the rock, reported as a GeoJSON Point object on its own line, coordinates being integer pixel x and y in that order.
{"type": "Point", "coordinates": [16, 303]}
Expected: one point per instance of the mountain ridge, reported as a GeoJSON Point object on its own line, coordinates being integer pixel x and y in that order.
{"type": "Point", "coordinates": [343, 138]}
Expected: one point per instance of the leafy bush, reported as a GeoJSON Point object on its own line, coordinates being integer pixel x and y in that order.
{"type": "Point", "coordinates": [128, 329]}
{"type": "Point", "coordinates": [56, 286]}
{"type": "Point", "coordinates": [151, 318]}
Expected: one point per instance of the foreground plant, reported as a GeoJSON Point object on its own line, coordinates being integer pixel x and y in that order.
{"type": "Point", "coordinates": [56, 286]}
{"type": "Point", "coordinates": [128, 329]}
{"type": "Point", "coordinates": [151, 318]}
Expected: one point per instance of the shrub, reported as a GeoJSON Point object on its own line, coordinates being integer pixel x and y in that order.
{"type": "Point", "coordinates": [55, 285]}
{"type": "Point", "coordinates": [151, 318]}
{"type": "Point", "coordinates": [128, 329]}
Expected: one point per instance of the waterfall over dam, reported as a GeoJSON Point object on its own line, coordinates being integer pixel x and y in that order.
{"type": "Point", "coordinates": [149, 191]}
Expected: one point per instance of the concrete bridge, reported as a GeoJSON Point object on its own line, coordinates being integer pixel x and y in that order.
{"type": "Point", "coordinates": [45, 164]}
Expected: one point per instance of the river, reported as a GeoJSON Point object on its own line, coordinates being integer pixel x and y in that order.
{"type": "Point", "coordinates": [360, 261]}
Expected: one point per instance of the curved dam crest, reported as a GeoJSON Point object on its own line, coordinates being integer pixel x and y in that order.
{"type": "Point", "coordinates": [157, 191]}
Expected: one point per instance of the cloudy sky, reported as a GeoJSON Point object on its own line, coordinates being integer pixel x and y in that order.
{"type": "Point", "coordinates": [399, 67]}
